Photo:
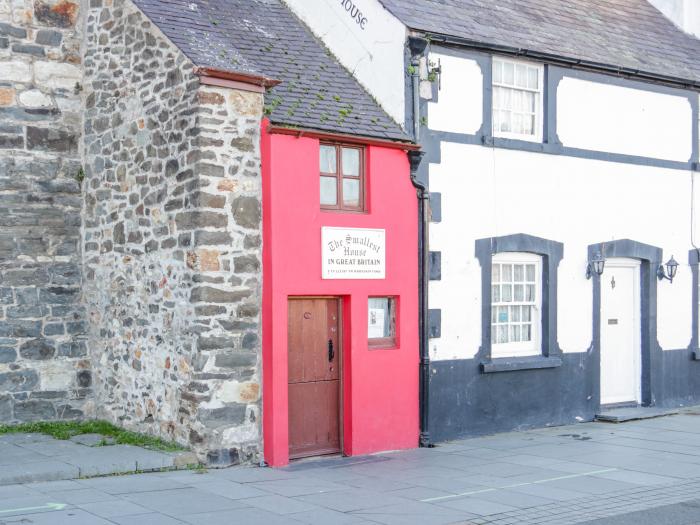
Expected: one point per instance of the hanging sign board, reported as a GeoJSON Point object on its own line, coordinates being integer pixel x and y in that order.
{"type": "Point", "coordinates": [353, 253]}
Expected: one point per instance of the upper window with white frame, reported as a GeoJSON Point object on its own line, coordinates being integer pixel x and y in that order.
{"type": "Point", "coordinates": [516, 304]}
{"type": "Point", "coordinates": [517, 99]}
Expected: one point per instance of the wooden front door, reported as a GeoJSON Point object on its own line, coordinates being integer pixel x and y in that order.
{"type": "Point", "coordinates": [314, 377]}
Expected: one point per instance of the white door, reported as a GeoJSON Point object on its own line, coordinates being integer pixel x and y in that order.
{"type": "Point", "coordinates": [620, 334]}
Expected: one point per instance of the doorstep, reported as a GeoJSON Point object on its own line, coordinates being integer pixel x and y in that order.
{"type": "Point", "coordinates": [620, 415]}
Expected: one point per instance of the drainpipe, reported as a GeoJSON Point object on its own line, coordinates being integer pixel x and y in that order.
{"type": "Point", "coordinates": [417, 47]}
{"type": "Point", "coordinates": [415, 158]}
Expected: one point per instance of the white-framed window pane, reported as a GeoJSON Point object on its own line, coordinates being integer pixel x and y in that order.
{"type": "Point", "coordinates": [497, 71]}
{"type": "Point", "coordinates": [506, 293]}
{"type": "Point", "coordinates": [517, 99]}
{"type": "Point", "coordinates": [533, 78]}
{"type": "Point", "coordinates": [508, 73]}
{"type": "Point", "coordinates": [518, 293]}
{"type": "Point", "coordinates": [518, 273]}
{"type": "Point", "coordinates": [329, 191]}
{"type": "Point", "coordinates": [515, 304]}
{"type": "Point", "coordinates": [530, 292]}
{"type": "Point", "coordinates": [530, 272]}
{"type": "Point", "coordinates": [328, 159]}
{"type": "Point", "coordinates": [520, 76]}
{"type": "Point", "coordinates": [507, 273]}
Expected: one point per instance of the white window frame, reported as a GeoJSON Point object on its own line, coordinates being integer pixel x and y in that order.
{"type": "Point", "coordinates": [520, 348]}
{"type": "Point", "coordinates": [539, 101]}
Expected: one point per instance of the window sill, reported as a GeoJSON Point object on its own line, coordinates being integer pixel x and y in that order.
{"type": "Point", "coordinates": [512, 364]}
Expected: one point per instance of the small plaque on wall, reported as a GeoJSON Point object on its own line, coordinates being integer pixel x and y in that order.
{"type": "Point", "coordinates": [353, 253]}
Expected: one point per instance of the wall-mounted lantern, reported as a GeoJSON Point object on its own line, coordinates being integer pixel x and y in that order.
{"type": "Point", "coordinates": [596, 265]}
{"type": "Point", "coordinates": [669, 272]}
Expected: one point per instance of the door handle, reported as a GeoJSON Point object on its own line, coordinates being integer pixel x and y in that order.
{"type": "Point", "coordinates": [331, 353]}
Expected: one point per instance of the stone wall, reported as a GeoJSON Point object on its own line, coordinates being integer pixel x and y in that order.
{"type": "Point", "coordinates": [172, 241]}
{"type": "Point", "coordinates": [44, 371]}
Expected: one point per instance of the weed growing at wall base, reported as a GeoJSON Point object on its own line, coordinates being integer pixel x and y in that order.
{"type": "Point", "coordinates": [68, 429]}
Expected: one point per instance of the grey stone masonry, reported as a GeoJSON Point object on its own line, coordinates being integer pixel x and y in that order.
{"type": "Point", "coordinates": [44, 368]}
{"type": "Point", "coordinates": [172, 241]}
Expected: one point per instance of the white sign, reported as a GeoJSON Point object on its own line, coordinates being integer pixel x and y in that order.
{"type": "Point", "coordinates": [353, 253]}
{"type": "Point", "coordinates": [375, 327]}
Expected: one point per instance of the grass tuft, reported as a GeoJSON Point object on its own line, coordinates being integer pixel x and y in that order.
{"type": "Point", "coordinates": [68, 429]}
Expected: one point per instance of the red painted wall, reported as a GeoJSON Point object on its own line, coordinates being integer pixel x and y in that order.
{"type": "Point", "coordinates": [380, 387]}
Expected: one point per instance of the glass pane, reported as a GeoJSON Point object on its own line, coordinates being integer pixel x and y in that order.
{"type": "Point", "coordinates": [518, 273]}
{"type": "Point", "coordinates": [518, 293]}
{"type": "Point", "coordinates": [351, 192]}
{"type": "Point", "coordinates": [505, 121]}
{"type": "Point", "coordinates": [517, 123]}
{"type": "Point", "coordinates": [381, 317]}
{"type": "Point", "coordinates": [507, 273]}
{"type": "Point", "coordinates": [529, 292]}
{"type": "Point", "coordinates": [526, 334]}
{"type": "Point", "coordinates": [529, 101]}
{"type": "Point", "coordinates": [515, 313]}
{"type": "Point", "coordinates": [507, 98]}
{"type": "Point", "coordinates": [508, 73]}
{"type": "Point", "coordinates": [530, 127]}
{"type": "Point", "coordinates": [328, 161]}
{"type": "Point", "coordinates": [515, 333]}
{"type": "Point", "coordinates": [506, 293]}
{"type": "Point", "coordinates": [533, 78]}
{"type": "Point", "coordinates": [329, 191]}
{"type": "Point", "coordinates": [495, 294]}
{"type": "Point", "coordinates": [497, 68]}
{"type": "Point", "coordinates": [521, 75]}
{"type": "Point", "coordinates": [527, 313]}
{"type": "Point", "coordinates": [495, 273]}
{"type": "Point", "coordinates": [530, 272]}
{"type": "Point", "coordinates": [502, 334]}
{"type": "Point", "coordinates": [351, 162]}
{"type": "Point", "coordinates": [502, 314]}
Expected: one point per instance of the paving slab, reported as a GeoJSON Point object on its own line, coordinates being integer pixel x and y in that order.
{"type": "Point", "coordinates": [29, 458]}
{"type": "Point", "coordinates": [621, 415]}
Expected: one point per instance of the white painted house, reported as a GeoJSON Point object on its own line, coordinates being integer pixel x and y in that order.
{"type": "Point", "coordinates": [561, 140]}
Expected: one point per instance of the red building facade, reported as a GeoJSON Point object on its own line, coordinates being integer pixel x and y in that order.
{"type": "Point", "coordinates": [340, 353]}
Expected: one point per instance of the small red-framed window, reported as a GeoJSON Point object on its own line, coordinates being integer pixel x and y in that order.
{"type": "Point", "coordinates": [381, 322]}
{"type": "Point", "coordinates": [342, 177]}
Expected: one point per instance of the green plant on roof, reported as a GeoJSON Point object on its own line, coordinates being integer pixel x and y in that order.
{"type": "Point", "coordinates": [320, 96]}
{"type": "Point", "coordinates": [336, 98]}
{"type": "Point", "coordinates": [323, 117]}
{"type": "Point", "coordinates": [274, 103]}
{"type": "Point", "coordinates": [411, 70]}
{"type": "Point", "coordinates": [213, 21]}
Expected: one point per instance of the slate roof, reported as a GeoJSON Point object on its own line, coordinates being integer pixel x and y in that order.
{"type": "Point", "coordinates": [263, 37]}
{"type": "Point", "coordinates": [620, 33]}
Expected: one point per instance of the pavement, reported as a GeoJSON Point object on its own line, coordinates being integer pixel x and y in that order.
{"type": "Point", "coordinates": [27, 458]}
{"type": "Point", "coordinates": [637, 472]}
